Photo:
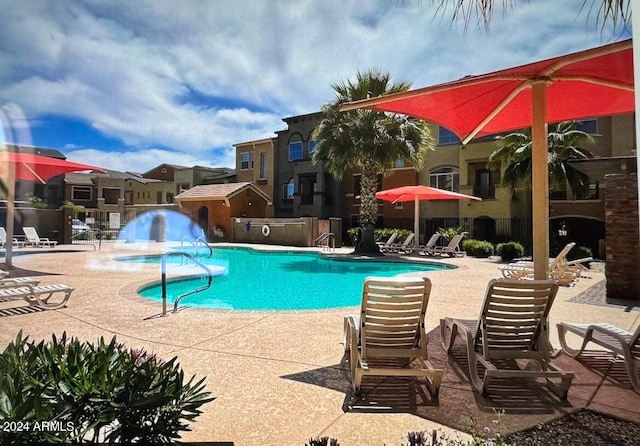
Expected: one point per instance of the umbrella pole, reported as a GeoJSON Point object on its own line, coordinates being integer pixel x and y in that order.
{"type": "Point", "coordinates": [540, 181]}
{"type": "Point", "coordinates": [416, 220]}
{"type": "Point", "coordinates": [11, 197]}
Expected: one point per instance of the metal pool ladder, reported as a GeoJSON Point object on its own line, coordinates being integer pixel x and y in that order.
{"type": "Point", "coordinates": [196, 244]}
{"type": "Point", "coordinates": [183, 256]}
{"type": "Point", "coordinates": [329, 239]}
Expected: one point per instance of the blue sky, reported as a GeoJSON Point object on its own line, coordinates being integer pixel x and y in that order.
{"type": "Point", "coordinates": [128, 85]}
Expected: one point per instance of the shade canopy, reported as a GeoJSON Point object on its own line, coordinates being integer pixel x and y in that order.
{"type": "Point", "coordinates": [591, 83]}
{"type": "Point", "coordinates": [30, 167]}
{"type": "Point", "coordinates": [418, 193]}
{"type": "Point", "coordinates": [587, 84]}
{"type": "Point", "coordinates": [410, 193]}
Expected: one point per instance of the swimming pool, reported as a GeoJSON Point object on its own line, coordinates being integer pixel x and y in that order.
{"type": "Point", "coordinates": [260, 280]}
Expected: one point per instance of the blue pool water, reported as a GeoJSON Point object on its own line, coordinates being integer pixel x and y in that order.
{"type": "Point", "coordinates": [259, 280]}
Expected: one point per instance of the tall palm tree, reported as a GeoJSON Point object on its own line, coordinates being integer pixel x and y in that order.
{"type": "Point", "coordinates": [564, 141]}
{"type": "Point", "coordinates": [613, 11]}
{"type": "Point", "coordinates": [369, 141]}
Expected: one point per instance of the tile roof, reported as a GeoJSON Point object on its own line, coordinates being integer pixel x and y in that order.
{"type": "Point", "coordinates": [225, 190]}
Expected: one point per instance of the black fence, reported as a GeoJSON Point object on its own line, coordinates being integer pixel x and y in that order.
{"type": "Point", "coordinates": [97, 227]}
{"type": "Point", "coordinates": [494, 230]}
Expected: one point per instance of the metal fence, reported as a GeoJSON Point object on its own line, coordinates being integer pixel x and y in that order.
{"type": "Point", "coordinates": [494, 230]}
{"type": "Point", "coordinates": [99, 228]}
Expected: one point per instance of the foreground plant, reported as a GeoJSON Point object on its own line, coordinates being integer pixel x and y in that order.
{"type": "Point", "coordinates": [69, 391]}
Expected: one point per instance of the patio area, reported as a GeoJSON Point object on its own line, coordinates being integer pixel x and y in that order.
{"type": "Point", "coordinates": [279, 377]}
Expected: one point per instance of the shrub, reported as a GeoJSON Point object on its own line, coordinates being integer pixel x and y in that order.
{"type": "Point", "coordinates": [382, 235]}
{"type": "Point", "coordinates": [477, 248]}
{"type": "Point", "coordinates": [101, 392]}
{"type": "Point", "coordinates": [509, 251]}
{"type": "Point", "coordinates": [448, 233]}
{"type": "Point", "coordinates": [579, 252]}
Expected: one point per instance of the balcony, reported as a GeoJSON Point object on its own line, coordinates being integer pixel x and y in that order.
{"type": "Point", "coordinates": [485, 192]}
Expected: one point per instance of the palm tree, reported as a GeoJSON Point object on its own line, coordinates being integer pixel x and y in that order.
{"type": "Point", "coordinates": [614, 11]}
{"type": "Point", "coordinates": [564, 140]}
{"type": "Point", "coordinates": [369, 141]}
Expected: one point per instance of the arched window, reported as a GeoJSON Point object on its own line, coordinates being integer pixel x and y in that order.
{"type": "Point", "coordinates": [446, 178]}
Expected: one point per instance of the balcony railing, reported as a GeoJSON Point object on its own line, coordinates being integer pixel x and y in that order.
{"type": "Point", "coordinates": [485, 192]}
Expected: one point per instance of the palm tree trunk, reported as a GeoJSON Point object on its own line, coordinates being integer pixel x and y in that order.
{"type": "Point", "coordinates": [368, 209]}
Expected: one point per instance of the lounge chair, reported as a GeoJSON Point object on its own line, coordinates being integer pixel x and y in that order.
{"type": "Point", "coordinates": [561, 270]}
{"type": "Point", "coordinates": [3, 239]}
{"type": "Point", "coordinates": [38, 295]}
{"type": "Point", "coordinates": [452, 249]}
{"type": "Point", "coordinates": [431, 244]}
{"type": "Point", "coordinates": [11, 281]}
{"type": "Point", "coordinates": [405, 247]}
{"type": "Point", "coordinates": [612, 338]}
{"type": "Point", "coordinates": [513, 324]}
{"type": "Point", "coordinates": [33, 239]}
{"type": "Point", "coordinates": [391, 326]}
{"type": "Point", "coordinates": [385, 245]}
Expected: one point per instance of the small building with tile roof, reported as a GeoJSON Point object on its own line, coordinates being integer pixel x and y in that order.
{"type": "Point", "coordinates": [213, 205]}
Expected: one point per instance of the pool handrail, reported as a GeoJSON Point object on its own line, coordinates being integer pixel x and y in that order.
{"type": "Point", "coordinates": [330, 239]}
{"type": "Point", "coordinates": [164, 279]}
{"type": "Point", "coordinates": [196, 244]}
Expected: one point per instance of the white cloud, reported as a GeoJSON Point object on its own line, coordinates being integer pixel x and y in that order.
{"type": "Point", "coordinates": [127, 67]}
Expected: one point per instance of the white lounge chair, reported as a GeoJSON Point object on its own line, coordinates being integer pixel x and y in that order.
{"type": "Point", "coordinates": [431, 244]}
{"type": "Point", "coordinates": [561, 270]}
{"type": "Point", "coordinates": [391, 326]}
{"type": "Point", "coordinates": [39, 295]}
{"type": "Point", "coordinates": [452, 249]}
{"type": "Point", "coordinates": [3, 239]}
{"type": "Point", "coordinates": [406, 247]}
{"type": "Point", "coordinates": [513, 324]}
{"type": "Point", "coordinates": [384, 246]}
{"type": "Point", "coordinates": [614, 339]}
{"type": "Point", "coordinates": [33, 239]}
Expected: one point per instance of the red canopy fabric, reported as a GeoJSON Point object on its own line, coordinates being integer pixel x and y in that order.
{"type": "Point", "coordinates": [587, 84]}
{"type": "Point", "coordinates": [410, 193]}
{"type": "Point", "coordinates": [36, 167]}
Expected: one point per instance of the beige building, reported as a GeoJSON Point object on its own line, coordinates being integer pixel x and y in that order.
{"type": "Point", "coordinates": [255, 164]}
{"type": "Point", "coordinates": [139, 190]}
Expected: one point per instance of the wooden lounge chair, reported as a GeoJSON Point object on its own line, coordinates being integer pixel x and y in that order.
{"type": "Point", "coordinates": [406, 247]}
{"type": "Point", "coordinates": [513, 324]}
{"type": "Point", "coordinates": [384, 246]}
{"type": "Point", "coordinates": [614, 339]}
{"type": "Point", "coordinates": [3, 239]}
{"type": "Point", "coordinates": [452, 249]}
{"type": "Point", "coordinates": [33, 239]}
{"type": "Point", "coordinates": [391, 327]}
{"type": "Point", "coordinates": [561, 270]}
{"type": "Point", "coordinates": [431, 244]}
{"type": "Point", "coordinates": [39, 295]}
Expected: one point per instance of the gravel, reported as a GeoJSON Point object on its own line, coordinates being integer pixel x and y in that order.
{"type": "Point", "coordinates": [584, 427]}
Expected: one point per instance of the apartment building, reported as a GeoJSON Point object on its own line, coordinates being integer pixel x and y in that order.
{"type": "Point", "coordinates": [255, 164]}
{"type": "Point", "coordinates": [302, 188]}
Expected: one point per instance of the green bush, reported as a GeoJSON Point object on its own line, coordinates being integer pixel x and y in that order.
{"type": "Point", "coordinates": [382, 235]}
{"type": "Point", "coordinates": [477, 248]}
{"type": "Point", "coordinates": [579, 252]}
{"type": "Point", "coordinates": [509, 251]}
{"type": "Point", "coordinates": [101, 392]}
{"type": "Point", "coordinates": [449, 233]}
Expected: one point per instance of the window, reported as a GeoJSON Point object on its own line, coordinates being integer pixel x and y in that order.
{"type": "Point", "coordinates": [288, 190]}
{"type": "Point", "coordinates": [446, 178]}
{"type": "Point", "coordinates": [588, 126]}
{"type": "Point", "coordinates": [312, 147]}
{"type": "Point", "coordinates": [295, 151]}
{"type": "Point", "coordinates": [263, 166]}
{"type": "Point", "coordinates": [446, 136]}
{"type": "Point", "coordinates": [81, 193]}
{"type": "Point", "coordinates": [399, 163]}
{"type": "Point", "coordinates": [245, 161]}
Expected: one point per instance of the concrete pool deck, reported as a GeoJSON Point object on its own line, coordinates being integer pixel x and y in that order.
{"type": "Point", "coordinates": [279, 377]}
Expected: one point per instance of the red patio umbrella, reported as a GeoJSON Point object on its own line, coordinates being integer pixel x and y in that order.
{"type": "Point", "coordinates": [587, 84]}
{"type": "Point", "coordinates": [28, 166]}
{"type": "Point", "coordinates": [417, 193]}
